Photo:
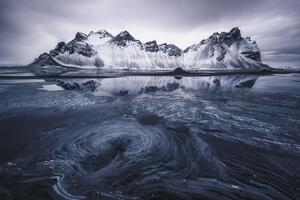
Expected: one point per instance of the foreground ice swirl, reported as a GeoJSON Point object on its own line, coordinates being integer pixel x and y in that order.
{"type": "Point", "coordinates": [153, 138]}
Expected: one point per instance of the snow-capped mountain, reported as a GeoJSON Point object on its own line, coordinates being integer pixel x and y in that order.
{"type": "Point", "coordinates": [224, 50]}
{"type": "Point", "coordinates": [123, 51]}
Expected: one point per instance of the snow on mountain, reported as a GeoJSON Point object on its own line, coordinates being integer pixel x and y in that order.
{"type": "Point", "coordinates": [99, 38]}
{"type": "Point", "coordinates": [123, 51]}
{"type": "Point", "coordinates": [224, 50]}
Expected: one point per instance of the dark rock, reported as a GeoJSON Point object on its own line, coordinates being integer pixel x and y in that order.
{"type": "Point", "coordinates": [44, 59]}
{"type": "Point", "coordinates": [268, 71]}
{"type": "Point", "coordinates": [178, 77]}
{"type": "Point", "coordinates": [211, 51]}
{"type": "Point", "coordinates": [190, 48]}
{"type": "Point", "coordinates": [170, 49]}
{"type": "Point", "coordinates": [179, 71]}
{"type": "Point", "coordinates": [102, 34]}
{"type": "Point", "coordinates": [123, 93]}
{"type": "Point", "coordinates": [99, 62]}
{"type": "Point", "coordinates": [151, 46]}
{"type": "Point", "coordinates": [60, 48]}
{"type": "Point", "coordinates": [246, 84]}
{"type": "Point", "coordinates": [122, 38]}
{"type": "Point", "coordinates": [217, 82]}
{"type": "Point", "coordinates": [88, 85]}
{"type": "Point", "coordinates": [150, 89]}
{"type": "Point", "coordinates": [219, 58]}
{"type": "Point", "coordinates": [81, 37]}
{"type": "Point", "coordinates": [77, 45]}
{"type": "Point", "coordinates": [235, 33]}
{"type": "Point", "coordinates": [170, 87]}
{"type": "Point", "coordinates": [81, 48]}
{"type": "Point", "coordinates": [228, 38]}
{"type": "Point", "coordinates": [253, 55]}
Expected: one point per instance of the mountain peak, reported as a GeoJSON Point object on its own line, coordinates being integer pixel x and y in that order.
{"type": "Point", "coordinates": [235, 29]}
{"type": "Point", "coordinates": [151, 42]}
{"type": "Point", "coordinates": [101, 33]}
{"type": "Point", "coordinates": [122, 38]}
{"type": "Point", "coordinates": [104, 33]}
{"type": "Point", "coordinates": [80, 36]}
{"type": "Point", "coordinates": [125, 35]}
{"type": "Point", "coordinates": [229, 38]}
{"type": "Point", "coordinates": [235, 33]}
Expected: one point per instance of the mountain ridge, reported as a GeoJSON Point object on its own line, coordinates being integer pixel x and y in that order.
{"type": "Point", "coordinates": [225, 50]}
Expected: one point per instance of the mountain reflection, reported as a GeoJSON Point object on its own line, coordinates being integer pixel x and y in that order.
{"type": "Point", "coordinates": [146, 84]}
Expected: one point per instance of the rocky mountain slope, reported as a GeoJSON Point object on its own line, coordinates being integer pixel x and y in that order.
{"type": "Point", "coordinates": [123, 51]}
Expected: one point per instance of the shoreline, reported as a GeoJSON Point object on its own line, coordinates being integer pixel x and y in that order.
{"type": "Point", "coordinates": [103, 73]}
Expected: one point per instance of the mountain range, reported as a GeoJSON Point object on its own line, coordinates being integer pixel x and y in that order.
{"type": "Point", "coordinates": [225, 50]}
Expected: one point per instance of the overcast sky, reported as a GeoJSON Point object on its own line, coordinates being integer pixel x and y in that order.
{"type": "Point", "coordinates": [30, 27]}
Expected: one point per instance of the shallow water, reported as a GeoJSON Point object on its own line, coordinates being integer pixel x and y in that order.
{"type": "Point", "coordinates": [225, 137]}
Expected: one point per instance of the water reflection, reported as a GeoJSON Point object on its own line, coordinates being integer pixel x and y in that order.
{"type": "Point", "coordinates": [139, 84]}
{"type": "Point", "coordinates": [130, 85]}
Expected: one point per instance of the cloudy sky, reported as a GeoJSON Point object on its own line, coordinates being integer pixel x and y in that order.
{"type": "Point", "coordinates": [30, 27]}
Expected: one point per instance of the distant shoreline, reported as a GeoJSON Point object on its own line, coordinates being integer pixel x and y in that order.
{"type": "Point", "coordinates": [79, 74]}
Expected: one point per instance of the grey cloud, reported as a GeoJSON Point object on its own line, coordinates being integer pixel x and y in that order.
{"type": "Point", "coordinates": [33, 26]}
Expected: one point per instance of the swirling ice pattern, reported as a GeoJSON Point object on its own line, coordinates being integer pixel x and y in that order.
{"type": "Point", "coordinates": [140, 160]}
{"type": "Point", "coordinates": [128, 156]}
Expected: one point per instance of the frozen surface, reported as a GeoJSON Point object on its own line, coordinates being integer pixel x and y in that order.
{"type": "Point", "coordinates": [52, 87]}
{"type": "Point", "coordinates": [218, 137]}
